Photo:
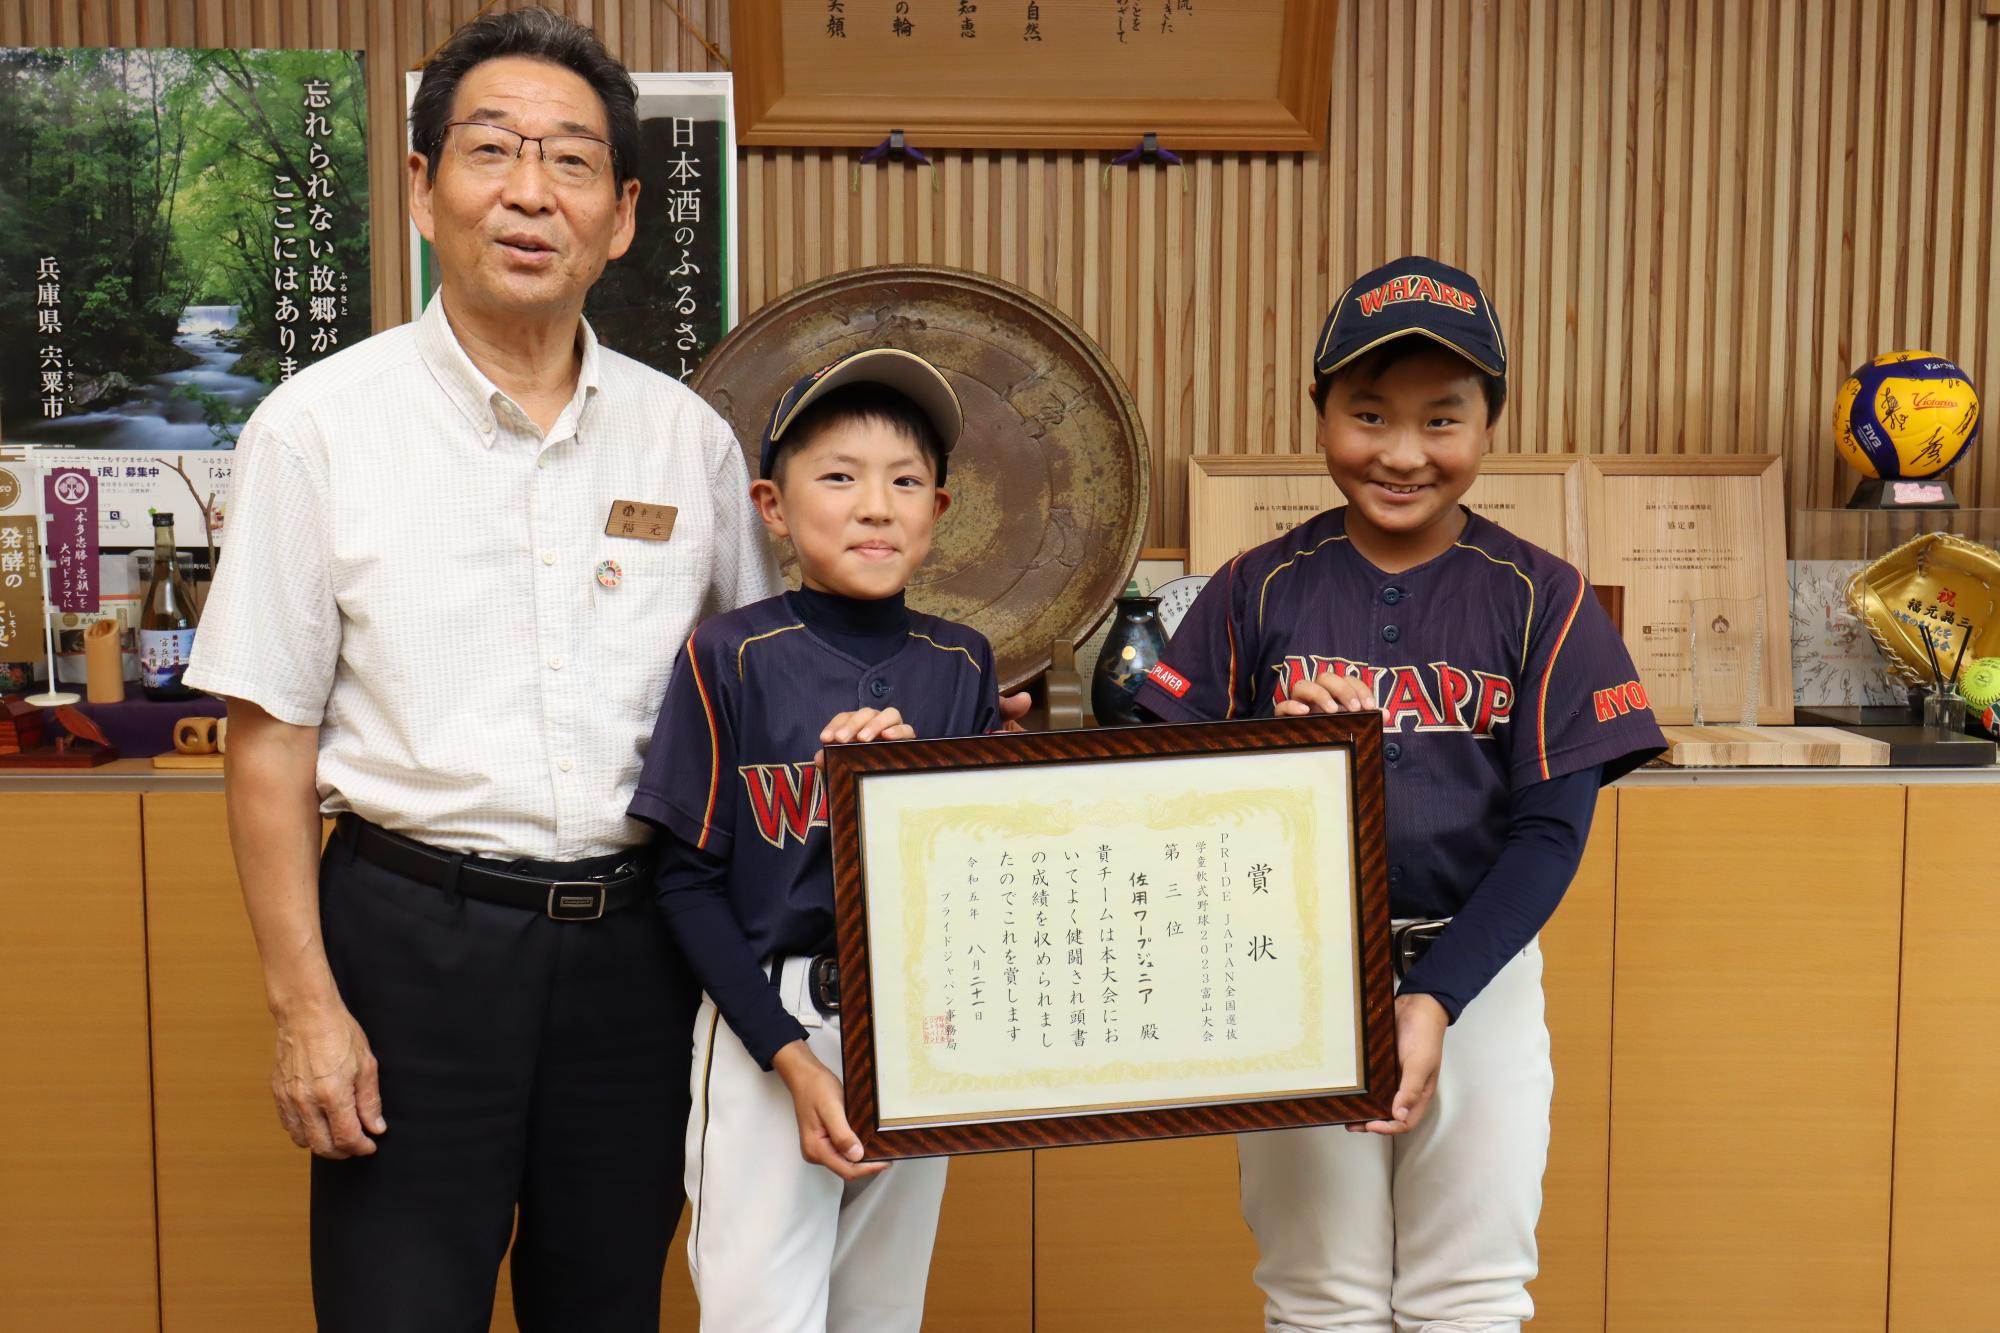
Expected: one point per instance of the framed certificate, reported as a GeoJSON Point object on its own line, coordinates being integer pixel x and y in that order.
{"type": "Point", "coordinates": [1697, 541]}
{"type": "Point", "coordinates": [1057, 938]}
{"type": "Point", "coordinates": [1237, 501]}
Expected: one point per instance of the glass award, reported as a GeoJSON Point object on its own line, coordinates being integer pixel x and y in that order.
{"type": "Point", "coordinates": [1726, 641]}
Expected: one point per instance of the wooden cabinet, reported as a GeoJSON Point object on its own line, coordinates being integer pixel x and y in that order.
{"type": "Point", "coordinates": [1943, 1231]}
{"type": "Point", "coordinates": [232, 1188]}
{"type": "Point", "coordinates": [1576, 981]}
{"type": "Point", "coordinates": [1767, 1005]}
{"type": "Point", "coordinates": [1753, 1057]}
{"type": "Point", "coordinates": [76, 1128]}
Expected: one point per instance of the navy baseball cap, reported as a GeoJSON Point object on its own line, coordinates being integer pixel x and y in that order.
{"type": "Point", "coordinates": [1412, 295]}
{"type": "Point", "coordinates": [905, 372]}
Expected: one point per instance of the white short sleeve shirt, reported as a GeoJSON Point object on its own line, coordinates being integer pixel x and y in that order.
{"type": "Point", "coordinates": [412, 566]}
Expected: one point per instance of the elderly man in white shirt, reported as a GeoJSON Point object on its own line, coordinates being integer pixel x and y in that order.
{"type": "Point", "coordinates": [434, 623]}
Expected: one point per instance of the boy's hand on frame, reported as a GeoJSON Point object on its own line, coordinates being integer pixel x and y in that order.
{"type": "Point", "coordinates": [1329, 693]}
{"type": "Point", "coordinates": [1014, 707]}
{"type": "Point", "coordinates": [825, 1137]}
{"type": "Point", "coordinates": [1420, 1025]}
{"type": "Point", "coordinates": [864, 724]}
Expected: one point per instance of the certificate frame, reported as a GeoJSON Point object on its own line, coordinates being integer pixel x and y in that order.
{"type": "Point", "coordinates": [1000, 91]}
{"type": "Point", "coordinates": [1747, 492]}
{"type": "Point", "coordinates": [1008, 768]}
{"type": "Point", "coordinates": [1228, 492]}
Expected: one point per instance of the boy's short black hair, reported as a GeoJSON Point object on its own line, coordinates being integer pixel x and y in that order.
{"type": "Point", "coordinates": [538, 34]}
{"type": "Point", "coordinates": [875, 404]}
{"type": "Point", "coordinates": [1371, 366]}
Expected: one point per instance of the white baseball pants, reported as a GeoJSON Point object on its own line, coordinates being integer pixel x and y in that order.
{"type": "Point", "coordinates": [778, 1244]}
{"type": "Point", "coordinates": [1428, 1232]}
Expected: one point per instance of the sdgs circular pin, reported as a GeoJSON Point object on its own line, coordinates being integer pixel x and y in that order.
{"type": "Point", "coordinates": [609, 575]}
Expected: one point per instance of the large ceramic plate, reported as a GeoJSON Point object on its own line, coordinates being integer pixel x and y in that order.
{"type": "Point", "coordinates": [1049, 481]}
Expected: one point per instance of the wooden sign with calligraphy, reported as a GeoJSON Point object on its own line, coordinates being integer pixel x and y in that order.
{"type": "Point", "coordinates": [1057, 938]}
{"type": "Point", "coordinates": [1688, 533]}
{"type": "Point", "coordinates": [1228, 75]}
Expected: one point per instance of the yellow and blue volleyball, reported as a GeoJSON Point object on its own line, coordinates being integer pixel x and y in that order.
{"type": "Point", "coordinates": [1905, 415]}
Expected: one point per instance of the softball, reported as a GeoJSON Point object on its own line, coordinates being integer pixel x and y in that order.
{"type": "Point", "coordinates": [1980, 684]}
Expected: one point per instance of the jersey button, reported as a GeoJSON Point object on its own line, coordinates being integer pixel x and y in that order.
{"type": "Point", "coordinates": [1392, 595]}
{"type": "Point", "coordinates": [878, 687]}
{"type": "Point", "coordinates": [1390, 634]}
{"type": "Point", "coordinates": [1392, 751]}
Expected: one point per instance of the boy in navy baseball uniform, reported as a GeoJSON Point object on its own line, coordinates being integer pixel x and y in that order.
{"type": "Point", "coordinates": [1507, 699]}
{"type": "Point", "coordinates": [791, 1233]}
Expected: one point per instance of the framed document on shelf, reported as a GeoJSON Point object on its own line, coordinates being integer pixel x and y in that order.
{"type": "Point", "coordinates": [1246, 76]}
{"type": "Point", "coordinates": [1056, 938]}
{"type": "Point", "coordinates": [1697, 541]}
{"type": "Point", "coordinates": [1236, 501]}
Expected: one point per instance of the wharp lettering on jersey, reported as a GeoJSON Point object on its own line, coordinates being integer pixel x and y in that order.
{"type": "Point", "coordinates": [786, 800]}
{"type": "Point", "coordinates": [1436, 697]}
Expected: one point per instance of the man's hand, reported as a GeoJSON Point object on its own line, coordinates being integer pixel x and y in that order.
{"type": "Point", "coordinates": [1329, 693]}
{"type": "Point", "coordinates": [1420, 1025]}
{"type": "Point", "coordinates": [1014, 707]}
{"type": "Point", "coordinates": [825, 1138]}
{"type": "Point", "coordinates": [326, 1082]}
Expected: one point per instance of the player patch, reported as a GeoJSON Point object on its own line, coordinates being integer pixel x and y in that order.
{"type": "Point", "coordinates": [1170, 680]}
{"type": "Point", "coordinates": [1620, 700]}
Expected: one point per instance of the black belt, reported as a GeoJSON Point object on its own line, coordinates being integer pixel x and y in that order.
{"type": "Point", "coordinates": [1411, 941]}
{"type": "Point", "coordinates": [574, 891]}
{"type": "Point", "coordinates": [822, 980]}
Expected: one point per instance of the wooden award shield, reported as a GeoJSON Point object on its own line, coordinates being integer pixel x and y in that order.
{"type": "Point", "coordinates": [1049, 481]}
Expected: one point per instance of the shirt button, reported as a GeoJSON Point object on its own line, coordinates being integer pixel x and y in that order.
{"type": "Point", "coordinates": [1392, 595]}
{"type": "Point", "coordinates": [1392, 751]}
{"type": "Point", "coordinates": [1395, 874]}
{"type": "Point", "coordinates": [878, 687]}
{"type": "Point", "coordinates": [563, 764]}
{"type": "Point", "coordinates": [541, 460]}
{"type": "Point", "coordinates": [556, 663]}
{"type": "Point", "coordinates": [1390, 634]}
{"type": "Point", "coordinates": [548, 557]}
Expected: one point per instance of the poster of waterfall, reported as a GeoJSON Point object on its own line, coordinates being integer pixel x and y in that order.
{"type": "Point", "coordinates": [180, 230]}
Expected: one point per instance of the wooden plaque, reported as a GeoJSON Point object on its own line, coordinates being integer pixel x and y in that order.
{"type": "Point", "coordinates": [1242, 76]}
{"type": "Point", "coordinates": [1236, 501]}
{"type": "Point", "coordinates": [1674, 529]}
{"type": "Point", "coordinates": [1055, 938]}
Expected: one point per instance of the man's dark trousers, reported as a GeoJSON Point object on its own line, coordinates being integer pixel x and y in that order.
{"type": "Point", "coordinates": [526, 1063]}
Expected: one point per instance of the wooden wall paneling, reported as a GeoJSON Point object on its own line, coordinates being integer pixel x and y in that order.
{"type": "Point", "coordinates": [1947, 1082]}
{"type": "Point", "coordinates": [1693, 219]}
{"type": "Point", "coordinates": [1576, 983]}
{"type": "Point", "coordinates": [76, 1134]}
{"type": "Point", "coordinates": [1753, 1058]}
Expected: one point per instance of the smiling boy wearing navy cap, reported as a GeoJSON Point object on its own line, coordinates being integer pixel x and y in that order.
{"type": "Point", "coordinates": [1490, 662]}
{"type": "Point", "coordinates": [790, 1231]}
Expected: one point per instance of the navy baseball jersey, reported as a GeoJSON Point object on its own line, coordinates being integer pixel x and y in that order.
{"type": "Point", "coordinates": [730, 769]}
{"type": "Point", "coordinates": [1494, 666]}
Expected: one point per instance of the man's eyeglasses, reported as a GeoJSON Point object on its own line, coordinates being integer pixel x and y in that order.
{"type": "Point", "coordinates": [491, 150]}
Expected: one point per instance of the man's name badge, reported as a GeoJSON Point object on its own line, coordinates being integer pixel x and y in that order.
{"type": "Point", "coordinates": [642, 522]}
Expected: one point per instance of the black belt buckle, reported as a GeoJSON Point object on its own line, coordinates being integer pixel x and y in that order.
{"type": "Point", "coordinates": [576, 900]}
{"type": "Point", "coordinates": [824, 978]}
{"type": "Point", "coordinates": [1411, 941]}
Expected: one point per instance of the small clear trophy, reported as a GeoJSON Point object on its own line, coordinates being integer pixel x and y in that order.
{"type": "Point", "coordinates": [1726, 637]}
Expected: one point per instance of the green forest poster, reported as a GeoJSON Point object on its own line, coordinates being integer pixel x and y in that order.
{"type": "Point", "coordinates": [180, 230]}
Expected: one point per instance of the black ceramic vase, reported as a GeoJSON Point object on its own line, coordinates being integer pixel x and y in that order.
{"type": "Point", "coordinates": [1130, 651]}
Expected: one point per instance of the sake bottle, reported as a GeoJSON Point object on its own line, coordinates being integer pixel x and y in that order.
{"type": "Point", "coordinates": [166, 620]}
